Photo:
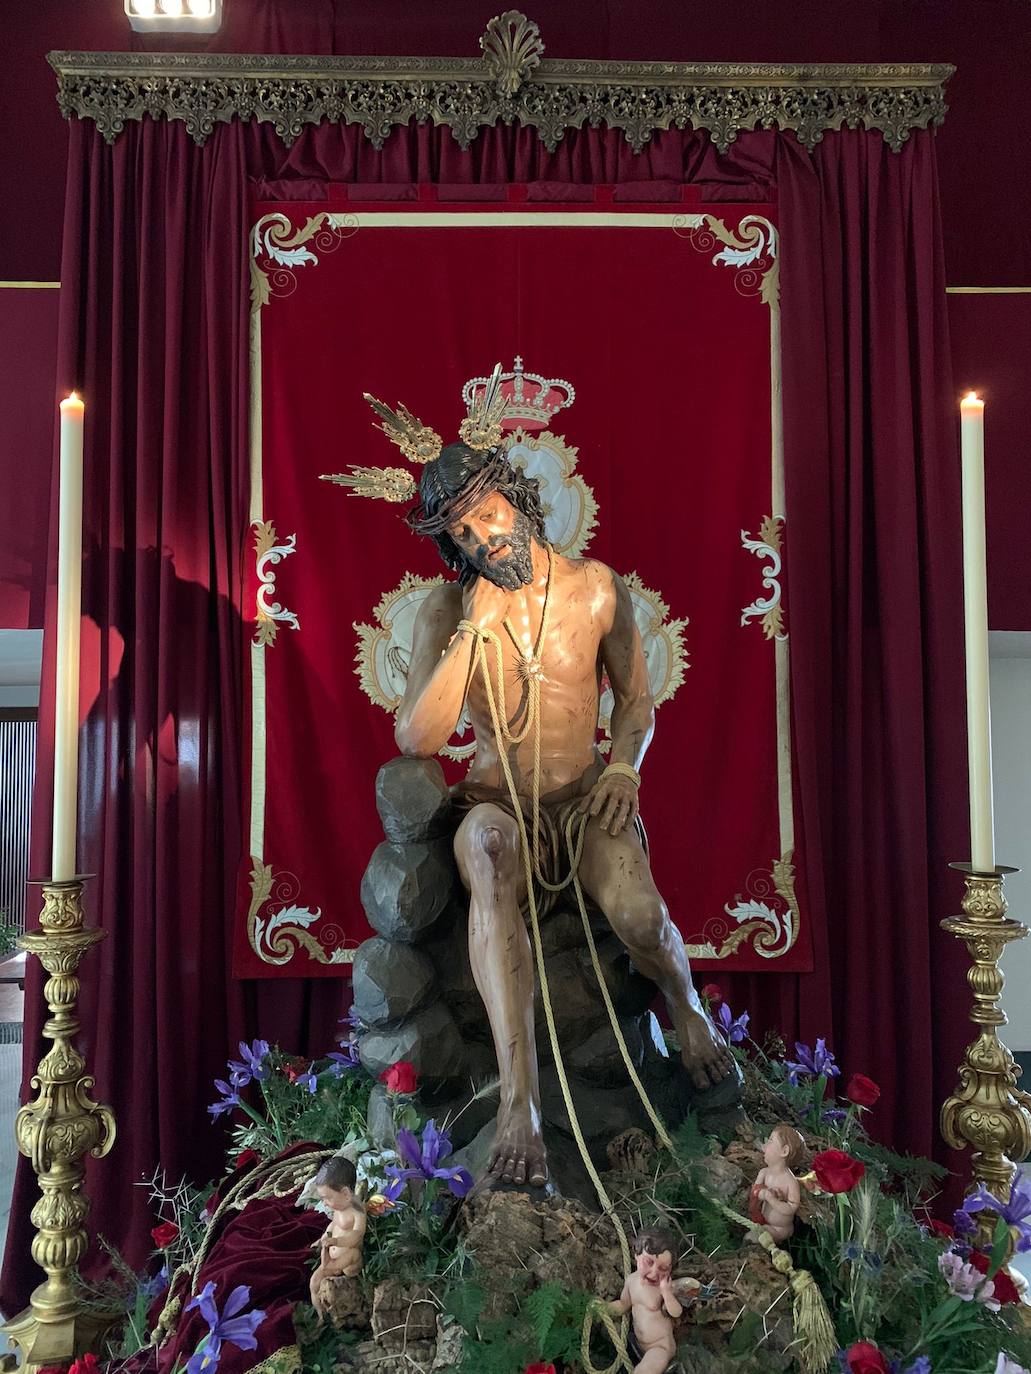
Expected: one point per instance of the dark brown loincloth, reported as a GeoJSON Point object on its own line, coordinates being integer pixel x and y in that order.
{"type": "Point", "coordinates": [553, 858]}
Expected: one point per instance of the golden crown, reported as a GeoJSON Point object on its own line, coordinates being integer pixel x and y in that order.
{"type": "Point", "coordinates": [481, 430]}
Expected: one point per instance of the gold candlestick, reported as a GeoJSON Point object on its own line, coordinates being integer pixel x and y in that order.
{"type": "Point", "coordinates": [56, 1131]}
{"type": "Point", "coordinates": [987, 1111]}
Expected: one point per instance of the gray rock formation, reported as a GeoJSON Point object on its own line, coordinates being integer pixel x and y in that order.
{"type": "Point", "coordinates": [413, 800]}
{"type": "Point", "coordinates": [415, 991]}
{"type": "Point", "coordinates": [407, 888]}
{"type": "Point", "coordinates": [390, 981]}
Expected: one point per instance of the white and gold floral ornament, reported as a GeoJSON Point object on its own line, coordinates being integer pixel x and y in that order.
{"type": "Point", "coordinates": [384, 653]}
{"type": "Point", "coordinates": [764, 918]}
{"type": "Point", "coordinates": [665, 652]}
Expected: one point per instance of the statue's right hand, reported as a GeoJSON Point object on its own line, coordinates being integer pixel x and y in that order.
{"type": "Point", "coordinates": [484, 604]}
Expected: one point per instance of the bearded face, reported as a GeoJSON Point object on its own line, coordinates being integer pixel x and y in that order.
{"type": "Point", "coordinates": [496, 540]}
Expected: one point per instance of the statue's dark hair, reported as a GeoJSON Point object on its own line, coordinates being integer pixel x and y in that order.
{"type": "Point", "coordinates": [337, 1173]}
{"type": "Point", "coordinates": [453, 483]}
{"type": "Point", "coordinates": [655, 1240]}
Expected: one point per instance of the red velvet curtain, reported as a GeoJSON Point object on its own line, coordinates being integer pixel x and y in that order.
{"type": "Point", "coordinates": [153, 331]}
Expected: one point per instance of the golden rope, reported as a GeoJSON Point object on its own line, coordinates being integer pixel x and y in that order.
{"type": "Point", "coordinates": [622, 1359]}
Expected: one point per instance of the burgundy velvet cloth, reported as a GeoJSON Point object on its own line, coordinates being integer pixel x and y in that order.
{"type": "Point", "coordinates": [268, 1248]}
{"type": "Point", "coordinates": [153, 330]}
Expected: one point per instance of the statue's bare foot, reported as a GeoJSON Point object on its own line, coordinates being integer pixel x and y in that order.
{"type": "Point", "coordinates": [518, 1156]}
{"type": "Point", "coordinates": [704, 1051]}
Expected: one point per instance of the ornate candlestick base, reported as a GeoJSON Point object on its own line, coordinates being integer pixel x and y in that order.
{"type": "Point", "coordinates": [987, 1111]}
{"type": "Point", "coordinates": [56, 1131]}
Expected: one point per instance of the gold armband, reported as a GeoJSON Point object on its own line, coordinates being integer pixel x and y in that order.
{"type": "Point", "coordinates": [624, 770]}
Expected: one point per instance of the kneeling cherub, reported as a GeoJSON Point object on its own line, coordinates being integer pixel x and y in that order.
{"type": "Point", "coordinates": [340, 1249]}
{"type": "Point", "coordinates": [648, 1295]}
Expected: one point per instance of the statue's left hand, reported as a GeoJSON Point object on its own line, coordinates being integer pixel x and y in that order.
{"type": "Point", "coordinates": [614, 801]}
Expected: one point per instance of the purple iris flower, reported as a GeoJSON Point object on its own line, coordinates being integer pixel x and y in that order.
{"type": "Point", "coordinates": [811, 1063]}
{"type": "Point", "coordinates": [963, 1223]}
{"type": "Point", "coordinates": [424, 1159]}
{"type": "Point", "coordinates": [921, 1365]}
{"type": "Point", "coordinates": [239, 1331]}
{"type": "Point", "coordinates": [734, 1028]}
{"type": "Point", "coordinates": [834, 1114]}
{"type": "Point", "coordinates": [308, 1080]}
{"type": "Point", "coordinates": [346, 1059]}
{"type": "Point", "coordinates": [239, 1074]}
{"type": "Point", "coordinates": [255, 1057]}
{"type": "Point", "coordinates": [230, 1098]}
{"type": "Point", "coordinates": [150, 1288]}
{"type": "Point", "coordinates": [1016, 1212]}
{"type": "Point", "coordinates": [392, 1189]}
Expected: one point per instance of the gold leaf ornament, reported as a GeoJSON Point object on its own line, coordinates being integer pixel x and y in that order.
{"type": "Point", "coordinates": [417, 441]}
{"type": "Point", "coordinates": [481, 429]}
{"type": "Point", "coordinates": [383, 484]}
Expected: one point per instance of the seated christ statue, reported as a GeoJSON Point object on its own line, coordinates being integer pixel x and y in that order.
{"type": "Point", "coordinates": [520, 641]}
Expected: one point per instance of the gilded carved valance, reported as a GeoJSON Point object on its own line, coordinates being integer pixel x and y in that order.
{"type": "Point", "coordinates": [510, 82]}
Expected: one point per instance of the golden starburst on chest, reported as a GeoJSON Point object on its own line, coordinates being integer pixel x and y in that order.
{"type": "Point", "coordinates": [529, 668]}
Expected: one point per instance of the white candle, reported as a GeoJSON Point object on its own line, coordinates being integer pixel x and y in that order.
{"type": "Point", "coordinates": [975, 620]}
{"type": "Point", "coordinates": [69, 610]}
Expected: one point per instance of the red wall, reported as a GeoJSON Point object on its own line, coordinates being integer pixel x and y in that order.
{"type": "Point", "coordinates": [985, 189]}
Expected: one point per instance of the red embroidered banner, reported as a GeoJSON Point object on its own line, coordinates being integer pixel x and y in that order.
{"type": "Point", "coordinates": [643, 345]}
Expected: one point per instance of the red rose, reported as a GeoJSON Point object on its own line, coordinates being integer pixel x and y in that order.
{"type": "Point", "coordinates": [539, 1368]}
{"type": "Point", "coordinates": [837, 1172]}
{"type": "Point", "coordinates": [164, 1235]}
{"type": "Point", "coordinates": [245, 1158]}
{"type": "Point", "coordinates": [861, 1090]}
{"type": "Point", "coordinates": [85, 1364]}
{"type": "Point", "coordinates": [400, 1077]}
{"type": "Point", "coordinates": [1005, 1288]}
{"type": "Point", "coordinates": [293, 1067]}
{"type": "Point", "coordinates": [713, 994]}
{"type": "Point", "coordinates": [53, 1369]}
{"type": "Point", "coordinates": [865, 1358]}
{"type": "Point", "coordinates": [941, 1228]}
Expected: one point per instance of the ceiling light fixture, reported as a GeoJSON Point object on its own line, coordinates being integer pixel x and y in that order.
{"type": "Point", "coordinates": [174, 16]}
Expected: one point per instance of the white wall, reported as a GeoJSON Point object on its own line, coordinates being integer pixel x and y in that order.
{"type": "Point", "coordinates": [20, 654]}
{"type": "Point", "coordinates": [1011, 768]}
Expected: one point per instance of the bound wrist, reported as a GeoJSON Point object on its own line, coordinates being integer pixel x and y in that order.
{"type": "Point", "coordinates": [623, 770]}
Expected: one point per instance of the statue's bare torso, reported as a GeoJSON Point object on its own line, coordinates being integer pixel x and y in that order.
{"type": "Point", "coordinates": [581, 609]}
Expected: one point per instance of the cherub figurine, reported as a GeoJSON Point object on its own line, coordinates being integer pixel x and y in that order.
{"type": "Point", "coordinates": [649, 1295]}
{"type": "Point", "coordinates": [775, 1194]}
{"type": "Point", "coordinates": [340, 1249]}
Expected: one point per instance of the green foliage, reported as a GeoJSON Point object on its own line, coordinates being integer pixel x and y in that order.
{"type": "Point", "coordinates": [319, 1344]}
{"type": "Point", "coordinates": [543, 1324]}
{"type": "Point", "coordinates": [280, 1112]}
{"type": "Point", "coordinates": [464, 1302]}
{"type": "Point", "coordinates": [8, 937]}
{"type": "Point", "coordinates": [690, 1143]}
{"type": "Point", "coordinates": [915, 1178]}
{"type": "Point", "coordinates": [121, 1297]}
